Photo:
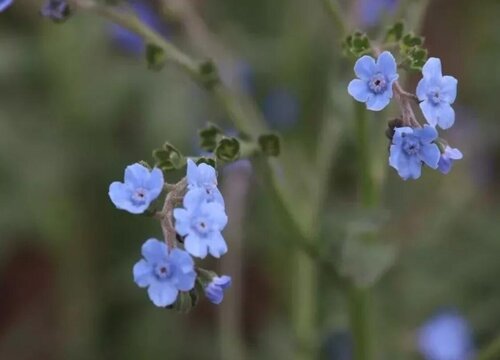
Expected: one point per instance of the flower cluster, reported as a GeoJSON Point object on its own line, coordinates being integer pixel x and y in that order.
{"type": "Point", "coordinates": [167, 270]}
{"type": "Point", "coordinates": [412, 144]}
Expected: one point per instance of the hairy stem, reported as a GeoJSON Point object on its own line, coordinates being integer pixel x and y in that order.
{"type": "Point", "coordinates": [165, 216]}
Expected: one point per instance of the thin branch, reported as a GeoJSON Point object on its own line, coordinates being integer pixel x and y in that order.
{"type": "Point", "coordinates": [166, 214]}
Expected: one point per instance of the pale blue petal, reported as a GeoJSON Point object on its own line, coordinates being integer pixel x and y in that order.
{"type": "Point", "coordinates": [217, 197]}
{"type": "Point", "coordinates": [397, 139]}
{"type": "Point", "coordinates": [217, 245]}
{"type": "Point", "coordinates": [430, 155]}
{"type": "Point", "coordinates": [4, 4]}
{"type": "Point", "coordinates": [206, 175]}
{"type": "Point", "coordinates": [365, 67]}
{"type": "Point", "coordinates": [453, 153]}
{"type": "Point", "coordinates": [182, 260]}
{"type": "Point", "coordinates": [444, 165]}
{"type": "Point", "coordinates": [445, 116]}
{"type": "Point", "coordinates": [214, 293]}
{"type": "Point", "coordinates": [136, 174]}
{"type": "Point", "coordinates": [378, 102]}
{"type": "Point", "coordinates": [430, 112]}
{"type": "Point", "coordinates": [155, 184]}
{"type": "Point", "coordinates": [195, 246]}
{"type": "Point", "coordinates": [432, 68]}
{"type": "Point", "coordinates": [426, 134]}
{"type": "Point", "coordinates": [414, 167]}
{"type": "Point", "coordinates": [449, 89]}
{"type": "Point", "coordinates": [143, 273]}
{"type": "Point", "coordinates": [182, 220]}
{"type": "Point", "coordinates": [358, 89]}
{"type": "Point", "coordinates": [223, 281]}
{"type": "Point", "coordinates": [119, 194]}
{"type": "Point", "coordinates": [154, 250]}
{"type": "Point", "coordinates": [192, 172]}
{"type": "Point", "coordinates": [216, 215]}
{"type": "Point", "coordinates": [162, 293]}
{"type": "Point", "coordinates": [387, 64]}
{"type": "Point", "coordinates": [194, 198]}
{"type": "Point", "coordinates": [422, 89]}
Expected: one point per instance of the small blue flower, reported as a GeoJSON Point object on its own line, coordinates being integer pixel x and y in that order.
{"type": "Point", "coordinates": [201, 223]}
{"type": "Point", "coordinates": [4, 4]}
{"type": "Point", "coordinates": [164, 273]}
{"type": "Point", "coordinates": [447, 158]}
{"type": "Point", "coordinates": [410, 147]}
{"type": "Point", "coordinates": [214, 291]}
{"type": "Point", "coordinates": [203, 176]}
{"type": "Point", "coordinates": [139, 189]}
{"type": "Point", "coordinates": [446, 336]}
{"type": "Point", "coordinates": [436, 93]}
{"type": "Point", "coordinates": [56, 10]}
{"type": "Point", "coordinates": [374, 86]}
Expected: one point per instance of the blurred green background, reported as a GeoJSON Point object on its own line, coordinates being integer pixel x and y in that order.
{"type": "Point", "coordinates": [76, 108]}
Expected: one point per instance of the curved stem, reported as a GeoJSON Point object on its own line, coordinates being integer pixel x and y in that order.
{"type": "Point", "coordinates": [165, 216]}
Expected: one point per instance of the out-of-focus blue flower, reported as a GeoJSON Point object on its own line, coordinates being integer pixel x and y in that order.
{"type": "Point", "coordinates": [56, 10]}
{"type": "Point", "coordinates": [410, 147]}
{"type": "Point", "coordinates": [139, 189]}
{"type": "Point", "coordinates": [164, 273]}
{"type": "Point", "coordinates": [446, 336]}
{"type": "Point", "coordinates": [201, 223]}
{"type": "Point", "coordinates": [4, 4]}
{"type": "Point", "coordinates": [131, 42]}
{"type": "Point", "coordinates": [214, 291]}
{"type": "Point", "coordinates": [447, 158]}
{"type": "Point", "coordinates": [436, 93]}
{"type": "Point", "coordinates": [203, 176]}
{"type": "Point", "coordinates": [372, 10]}
{"type": "Point", "coordinates": [281, 108]}
{"type": "Point", "coordinates": [339, 346]}
{"type": "Point", "coordinates": [375, 79]}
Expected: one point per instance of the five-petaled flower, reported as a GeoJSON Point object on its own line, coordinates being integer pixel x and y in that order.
{"type": "Point", "coordinates": [446, 336]}
{"type": "Point", "coordinates": [447, 158]}
{"type": "Point", "coordinates": [140, 187]}
{"type": "Point", "coordinates": [436, 93]}
{"type": "Point", "coordinates": [203, 176]}
{"type": "Point", "coordinates": [410, 147]}
{"type": "Point", "coordinates": [164, 273]}
{"type": "Point", "coordinates": [214, 291]}
{"type": "Point", "coordinates": [201, 222]}
{"type": "Point", "coordinates": [4, 4]}
{"type": "Point", "coordinates": [374, 86]}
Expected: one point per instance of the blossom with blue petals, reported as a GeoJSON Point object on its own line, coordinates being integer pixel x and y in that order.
{"type": "Point", "coordinates": [204, 177]}
{"type": "Point", "coordinates": [56, 10]}
{"type": "Point", "coordinates": [412, 147]}
{"type": "Point", "coordinates": [201, 223]}
{"type": "Point", "coordinates": [214, 291]}
{"type": "Point", "coordinates": [436, 93]}
{"type": "Point", "coordinates": [140, 187]}
{"type": "Point", "coordinates": [447, 158]}
{"type": "Point", "coordinates": [446, 336]}
{"type": "Point", "coordinates": [164, 273]}
{"type": "Point", "coordinates": [4, 4]}
{"type": "Point", "coordinates": [375, 79]}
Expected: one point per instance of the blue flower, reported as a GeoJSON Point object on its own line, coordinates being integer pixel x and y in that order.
{"type": "Point", "coordinates": [164, 273]}
{"type": "Point", "coordinates": [410, 147]}
{"type": "Point", "coordinates": [204, 177]}
{"type": "Point", "coordinates": [56, 10]}
{"type": "Point", "coordinates": [131, 42]}
{"type": "Point", "coordinates": [374, 86]}
{"type": "Point", "coordinates": [281, 108]}
{"type": "Point", "coordinates": [4, 4]}
{"type": "Point", "coordinates": [447, 158]}
{"type": "Point", "coordinates": [446, 336]}
{"type": "Point", "coordinates": [139, 189]}
{"type": "Point", "coordinates": [214, 291]}
{"type": "Point", "coordinates": [201, 223]}
{"type": "Point", "coordinates": [371, 11]}
{"type": "Point", "coordinates": [436, 93]}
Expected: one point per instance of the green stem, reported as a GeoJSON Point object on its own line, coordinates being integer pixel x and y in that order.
{"type": "Point", "coordinates": [491, 352]}
{"type": "Point", "coordinates": [335, 13]}
{"type": "Point", "coordinates": [360, 320]}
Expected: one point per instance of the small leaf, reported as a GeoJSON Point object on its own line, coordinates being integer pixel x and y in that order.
{"type": "Point", "coordinates": [208, 73]}
{"type": "Point", "coordinates": [206, 160]}
{"type": "Point", "coordinates": [155, 56]}
{"type": "Point", "coordinates": [209, 136]}
{"type": "Point", "coordinates": [395, 32]}
{"type": "Point", "coordinates": [270, 144]}
{"type": "Point", "coordinates": [184, 302]}
{"type": "Point", "coordinates": [356, 44]}
{"type": "Point", "coordinates": [411, 39]}
{"type": "Point", "coordinates": [168, 158]}
{"type": "Point", "coordinates": [228, 149]}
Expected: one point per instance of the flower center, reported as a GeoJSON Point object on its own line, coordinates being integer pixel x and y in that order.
{"type": "Point", "coordinates": [163, 270]}
{"type": "Point", "coordinates": [200, 225]}
{"type": "Point", "coordinates": [139, 195]}
{"type": "Point", "coordinates": [434, 96]}
{"type": "Point", "coordinates": [411, 146]}
{"type": "Point", "coordinates": [377, 83]}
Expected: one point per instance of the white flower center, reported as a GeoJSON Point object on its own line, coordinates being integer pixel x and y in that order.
{"type": "Point", "coordinates": [377, 83]}
{"type": "Point", "coordinates": [163, 270]}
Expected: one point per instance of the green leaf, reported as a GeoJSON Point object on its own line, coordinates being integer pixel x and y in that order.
{"type": "Point", "coordinates": [395, 32]}
{"type": "Point", "coordinates": [209, 74]}
{"type": "Point", "coordinates": [206, 160]}
{"type": "Point", "coordinates": [184, 302]}
{"type": "Point", "coordinates": [168, 158]}
{"type": "Point", "coordinates": [145, 164]}
{"type": "Point", "coordinates": [209, 137]}
{"type": "Point", "coordinates": [356, 44]}
{"type": "Point", "coordinates": [411, 39]}
{"type": "Point", "coordinates": [228, 149]}
{"type": "Point", "coordinates": [155, 57]}
{"type": "Point", "coordinates": [417, 57]}
{"type": "Point", "coordinates": [270, 144]}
